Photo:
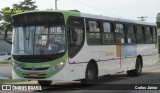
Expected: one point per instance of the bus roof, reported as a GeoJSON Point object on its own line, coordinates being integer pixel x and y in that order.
{"type": "Point", "coordinates": [116, 19]}
{"type": "Point", "coordinates": [61, 11]}
{"type": "Point", "coordinates": [68, 13]}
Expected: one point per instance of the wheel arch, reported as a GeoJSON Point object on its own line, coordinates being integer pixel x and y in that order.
{"type": "Point", "coordinates": [94, 62]}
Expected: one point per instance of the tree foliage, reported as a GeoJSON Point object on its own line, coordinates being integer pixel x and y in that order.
{"type": "Point", "coordinates": [6, 18]}
{"type": "Point", "coordinates": [0, 17]}
{"type": "Point", "coordinates": [26, 5]}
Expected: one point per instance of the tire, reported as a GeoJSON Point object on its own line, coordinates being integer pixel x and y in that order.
{"type": "Point", "coordinates": [130, 73]}
{"type": "Point", "coordinates": [90, 75]}
{"type": "Point", "coordinates": [44, 82]}
{"type": "Point", "coordinates": [138, 69]}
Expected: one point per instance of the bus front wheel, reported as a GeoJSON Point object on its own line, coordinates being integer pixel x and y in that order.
{"type": "Point", "coordinates": [45, 82]}
{"type": "Point", "coordinates": [90, 75]}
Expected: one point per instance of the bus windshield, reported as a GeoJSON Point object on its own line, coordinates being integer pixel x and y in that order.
{"type": "Point", "coordinates": [39, 40]}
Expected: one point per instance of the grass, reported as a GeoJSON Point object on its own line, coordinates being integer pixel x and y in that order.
{"type": "Point", "coordinates": [11, 81]}
{"type": "Point", "coordinates": [4, 61]}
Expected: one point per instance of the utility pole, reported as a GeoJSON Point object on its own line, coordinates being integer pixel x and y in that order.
{"type": "Point", "coordinates": [142, 18]}
{"type": "Point", "coordinates": [158, 20]}
{"type": "Point", "coordinates": [56, 4]}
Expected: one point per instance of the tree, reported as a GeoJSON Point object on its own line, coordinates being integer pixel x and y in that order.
{"type": "Point", "coordinates": [158, 20]}
{"type": "Point", "coordinates": [0, 17]}
{"type": "Point", "coordinates": [26, 5]}
{"type": "Point", "coordinates": [1, 27]}
{"type": "Point", "coordinates": [6, 18]}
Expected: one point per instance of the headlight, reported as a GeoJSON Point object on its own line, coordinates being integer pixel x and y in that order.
{"type": "Point", "coordinates": [62, 64]}
{"type": "Point", "coordinates": [17, 68]}
{"type": "Point", "coordinates": [56, 67]}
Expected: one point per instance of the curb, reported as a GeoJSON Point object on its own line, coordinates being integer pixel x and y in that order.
{"type": "Point", "coordinates": [5, 64]}
{"type": "Point", "coordinates": [4, 77]}
{"type": "Point", "coordinates": [157, 62]}
{"type": "Point", "coordinates": [27, 82]}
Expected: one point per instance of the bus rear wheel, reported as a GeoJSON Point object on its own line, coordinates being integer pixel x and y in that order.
{"type": "Point", "coordinates": [90, 75]}
{"type": "Point", "coordinates": [45, 82]}
{"type": "Point", "coordinates": [138, 69]}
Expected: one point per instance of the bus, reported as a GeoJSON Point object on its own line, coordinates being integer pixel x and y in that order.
{"type": "Point", "coordinates": [64, 45]}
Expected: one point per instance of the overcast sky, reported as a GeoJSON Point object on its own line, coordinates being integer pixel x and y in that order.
{"type": "Point", "coordinates": [129, 9]}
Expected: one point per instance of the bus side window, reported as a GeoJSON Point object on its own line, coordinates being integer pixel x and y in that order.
{"type": "Point", "coordinates": [108, 35]}
{"type": "Point", "coordinates": [131, 37]}
{"type": "Point", "coordinates": [93, 32]}
{"type": "Point", "coordinates": [119, 33]}
{"type": "Point", "coordinates": [154, 34]}
{"type": "Point", "coordinates": [70, 40]}
{"type": "Point", "coordinates": [148, 35]}
{"type": "Point", "coordinates": [140, 34]}
{"type": "Point", "coordinates": [75, 36]}
{"type": "Point", "coordinates": [78, 36]}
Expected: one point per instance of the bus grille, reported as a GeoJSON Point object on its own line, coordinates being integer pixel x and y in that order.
{"type": "Point", "coordinates": [39, 76]}
{"type": "Point", "coordinates": [35, 68]}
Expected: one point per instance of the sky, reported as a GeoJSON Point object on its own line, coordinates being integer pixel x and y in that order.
{"type": "Point", "coordinates": [128, 9]}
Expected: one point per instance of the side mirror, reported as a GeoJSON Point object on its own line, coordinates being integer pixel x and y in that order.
{"type": "Point", "coordinates": [6, 34]}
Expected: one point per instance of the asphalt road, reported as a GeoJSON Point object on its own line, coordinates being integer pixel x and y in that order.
{"type": "Point", "coordinates": [151, 75]}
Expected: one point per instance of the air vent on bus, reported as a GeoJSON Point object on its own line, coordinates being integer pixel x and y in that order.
{"type": "Point", "coordinates": [75, 10]}
{"type": "Point", "coordinates": [38, 77]}
{"type": "Point", "coordinates": [35, 68]}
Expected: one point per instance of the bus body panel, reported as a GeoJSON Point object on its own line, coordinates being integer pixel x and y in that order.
{"type": "Point", "coordinates": [107, 58]}
{"type": "Point", "coordinates": [148, 53]}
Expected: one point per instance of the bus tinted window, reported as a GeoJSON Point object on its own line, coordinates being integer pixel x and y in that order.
{"type": "Point", "coordinates": [139, 30]}
{"type": "Point", "coordinates": [75, 22]}
{"type": "Point", "coordinates": [108, 35]}
{"type": "Point", "coordinates": [154, 34]}
{"type": "Point", "coordinates": [147, 31]}
{"type": "Point", "coordinates": [148, 35]}
{"type": "Point", "coordinates": [75, 32]}
{"type": "Point", "coordinates": [139, 34]}
{"type": "Point", "coordinates": [38, 18]}
{"type": "Point", "coordinates": [93, 32]}
{"type": "Point", "coordinates": [130, 34]}
{"type": "Point", "coordinates": [94, 26]}
{"type": "Point", "coordinates": [119, 33]}
{"type": "Point", "coordinates": [106, 27]}
{"type": "Point", "coordinates": [119, 28]}
{"type": "Point", "coordinates": [130, 29]}
{"type": "Point", "coordinates": [153, 30]}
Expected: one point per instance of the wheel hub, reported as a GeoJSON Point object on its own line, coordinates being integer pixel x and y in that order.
{"type": "Point", "coordinates": [90, 75]}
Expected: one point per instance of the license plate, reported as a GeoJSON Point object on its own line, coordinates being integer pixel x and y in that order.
{"type": "Point", "coordinates": [33, 75]}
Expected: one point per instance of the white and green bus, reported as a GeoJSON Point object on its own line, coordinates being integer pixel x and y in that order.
{"type": "Point", "coordinates": [57, 45]}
